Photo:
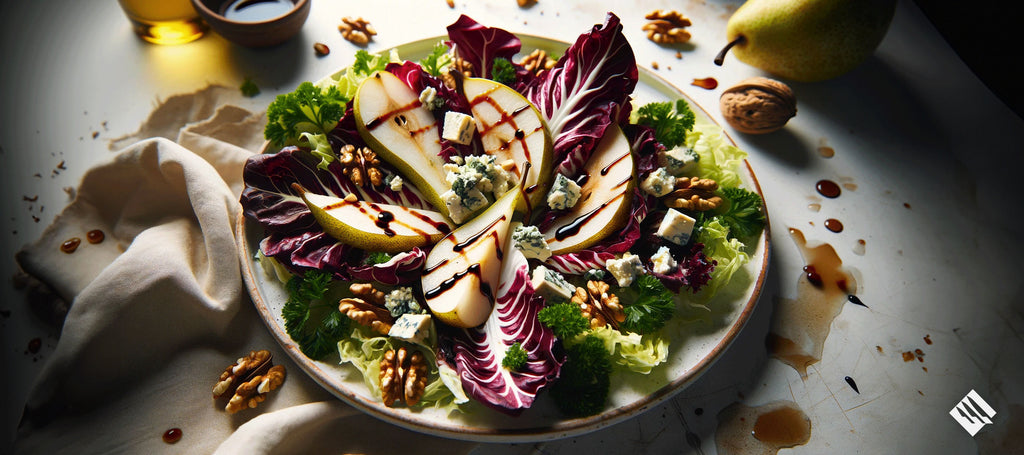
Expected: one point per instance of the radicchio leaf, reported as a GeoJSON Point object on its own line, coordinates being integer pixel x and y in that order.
{"type": "Point", "coordinates": [587, 91]}
{"type": "Point", "coordinates": [480, 45]}
{"type": "Point", "coordinates": [402, 268]}
{"type": "Point", "coordinates": [645, 148]}
{"type": "Point", "coordinates": [694, 267]}
{"type": "Point", "coordinates": [597, 255]}
{"type": "Point", "coordinates": [294, 238]}
{"type": "Point", "coordinates": [476, 353]}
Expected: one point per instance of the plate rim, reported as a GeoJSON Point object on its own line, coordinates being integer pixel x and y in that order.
{"type": "Point", "coordinates": [563, 428]}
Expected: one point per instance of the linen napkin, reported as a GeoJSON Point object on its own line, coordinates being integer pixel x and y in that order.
{"type": "Point", "coordinates": [159, 308]}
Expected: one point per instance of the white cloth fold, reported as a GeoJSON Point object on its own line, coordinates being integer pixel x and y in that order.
{"type": "Point", "coordinates": [159, 309]}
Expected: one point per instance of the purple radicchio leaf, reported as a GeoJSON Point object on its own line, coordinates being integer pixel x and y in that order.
{"type": "Point", "coordinates": [645, 148]}
{"type": "Point", "coordinates": [415, 78]}
{"type": "Point", "coordinates": [587, 91]}
{"type": "Point", "coordinates": [476, 353]}
{"type": "Point", "coordinates": [294, 237]}
{"type": "Point", "coordinates": [597, 255]}
{"type": "Point", "coordinates": [402, 268]}
{"type": "Point", "coordinates": [693, 269]}
{"type": "Point", "coordinates": [480, 45]}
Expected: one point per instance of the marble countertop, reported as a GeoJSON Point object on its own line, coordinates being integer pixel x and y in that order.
{"type": "Point", "coordinates": [926, 156]}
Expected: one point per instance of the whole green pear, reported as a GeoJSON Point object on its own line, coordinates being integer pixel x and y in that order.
{"type": "Point", "coordinates": [807, 40]}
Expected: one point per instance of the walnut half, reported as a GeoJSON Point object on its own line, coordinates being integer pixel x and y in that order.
{"type": "Point", "coordinates": [758, 105]}
{"type": "Point", "coordinates": [403, 377]}
{"type": "Point", "coordinates": [598, 306]}
{"type": "Point", "coordinates": [357, 31]}
{"type": "Point", "coordinates": [253, 392]}
{"type": "Point", "coordinates": [694, 193]}
{"type": "Point", "coordinates": [367, 308]}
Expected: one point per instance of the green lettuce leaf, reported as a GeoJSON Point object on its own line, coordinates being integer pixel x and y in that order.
{"type": "Point", "coordinates": [728, 252]}
{"type": "Point", "coordinates": [719, 160]}
{"type": "Point", "coordinates": [633, 351]}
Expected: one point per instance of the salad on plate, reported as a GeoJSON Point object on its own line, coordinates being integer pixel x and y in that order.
{"type": "Point", "coordinates": [475, 228]}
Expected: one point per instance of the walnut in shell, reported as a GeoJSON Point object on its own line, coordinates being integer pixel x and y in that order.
{"type": "Point", "coordinates": [758, 105]}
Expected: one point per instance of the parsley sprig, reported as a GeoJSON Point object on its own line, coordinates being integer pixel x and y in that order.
{"type": "Point", "coordinates": [515, 357]}
{"type": "Point", "coordinates": [309, 319]}
{"type": "Point", "coordinates": [653, 307]}
{"type": "Point", "coordinates": [670, 124]}
{"type": "Point", "coordinates": [564, 319]}
{"type": "Point", "coordinates": [743, 212]}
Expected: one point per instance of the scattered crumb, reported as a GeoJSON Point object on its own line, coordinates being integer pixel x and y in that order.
{"type": "Point", "coordinates": [37, 175]}
{"type": "Point", "coordinates": [70, 191]}
{"type": "Point", "coordinates": [679, 55]}
{"type": "Point", "coordinates": [30, 199]}
{"type": "Point", "coordinates": [61, 165]}
{"type": "Point", "coordinates": [95, 134]}
{"type": "Point", "coordinates": [654, 65]}
{"type": "Point", "coordinates": [451, 3]}
{"type": "Point", "coordinates": [35, 218]}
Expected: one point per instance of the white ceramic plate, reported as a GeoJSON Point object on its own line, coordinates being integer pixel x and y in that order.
{"type": "Point", "coordinates": [693, 350]}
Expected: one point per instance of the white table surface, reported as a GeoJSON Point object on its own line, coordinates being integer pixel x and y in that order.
{"type": "Point", "coordinates": [912, 125]}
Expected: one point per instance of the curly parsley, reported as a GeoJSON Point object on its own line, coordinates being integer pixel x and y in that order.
{"type": "Point", "coordinates": [309, 109]}
{"type": "Point", "coordinates": [503, 71]}
{"type": "Point", "coordinates": [582, 386]}
{"type": "Point", "coordinates": [564, 319]}
{"type": "Point", "coordinates": [315, 324]}
{"type": "Point", "coordinates": [515, 357]}
{"type": "Point", "coordinates": [742, 213]}
{"type": "Point", "coordinates": [670, 124]}
{"type": "Point", "coordinates": [653, 307]}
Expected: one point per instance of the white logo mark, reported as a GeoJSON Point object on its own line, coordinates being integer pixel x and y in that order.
{"type": "Point", "coordinates": [972, 413]}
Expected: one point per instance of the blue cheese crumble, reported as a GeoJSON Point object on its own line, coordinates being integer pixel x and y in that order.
{"type": "Point", "coordinates": [550, 284]}
{"type": "Point", "coordinates": [401, 301]}
{"type": "Point", "coordinates": [625, 269]}
{"type": "Point", "coordinates": [531, 242]}
{"type": "Point", "coordinates": [663, 261]}
{"type": "Point", "coordinates": [659, 182]}
{"type": "Point", "coordinates": [564, 193]}
{"type": "Point", "coordinates": [676, 227]}
{"type": "Point", "coordinates": [473, 179]}
{"type": "Point", "coordinates": [678, 160]}
{"type": "Point", "coordinates": [458, 127]}
{"type": "Point", "coordinates": [414, 328]}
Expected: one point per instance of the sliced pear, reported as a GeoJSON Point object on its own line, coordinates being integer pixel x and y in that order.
{"type": "Point", "coordinates": [511, 128]}
{"type": "Point", "coordinates": [393, 121]}
{"type": "Point", "coordinates": [605, 198]}
{"type": "Point", "coordinates": [461, 273]}
{"type": "Point", "coordinates": [374, 227]}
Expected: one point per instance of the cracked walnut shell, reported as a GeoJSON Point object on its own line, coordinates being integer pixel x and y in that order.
{"type": "Point", "coordinates": [403, 377]}
{"type": "Point", "coordinates": [758, 105]}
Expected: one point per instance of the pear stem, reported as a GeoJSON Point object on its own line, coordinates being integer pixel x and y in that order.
{"type": "Point", "coordinates": [721, 55]}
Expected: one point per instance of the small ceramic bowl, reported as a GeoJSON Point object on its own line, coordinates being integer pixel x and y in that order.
{"type": "Point", "coordinates": [254, 23]}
